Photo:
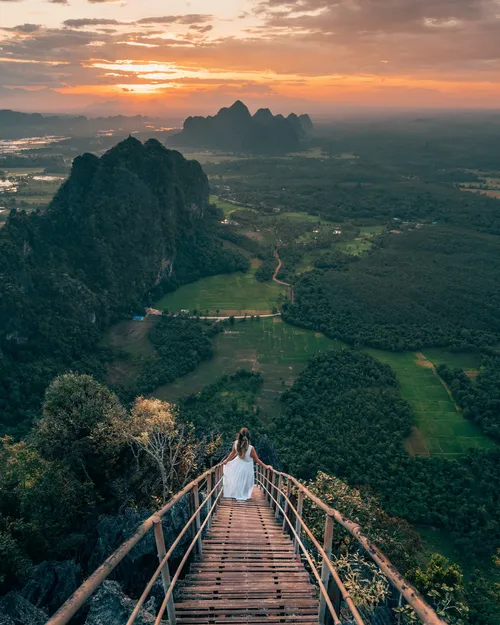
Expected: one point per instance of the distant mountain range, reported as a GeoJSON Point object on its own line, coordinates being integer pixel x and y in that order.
{"type": "Point", "coordinates": [15, 125]}
{"type": "Point", "coordinates": [235, 129]}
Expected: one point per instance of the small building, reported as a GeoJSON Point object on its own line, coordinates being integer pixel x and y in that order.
{"type": "Point", "coordinates": [185, 311]}
{"type": "Point", "coordinates": [337, 231]}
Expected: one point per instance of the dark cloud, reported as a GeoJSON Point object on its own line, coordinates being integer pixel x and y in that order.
{"type": "Point", "coordinates": [192, 18]}
{"type": "Point", "coordinates": [201, 29]}
{"type": "Point", "coordinates": [384, 16]}
{"type": "Point", "coordinates": [24, 28]}
{"type": "Point", "coordinates": [92, 21]}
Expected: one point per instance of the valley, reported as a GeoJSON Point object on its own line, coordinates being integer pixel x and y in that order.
{"type": "Point", "coordinates": [394, 273]}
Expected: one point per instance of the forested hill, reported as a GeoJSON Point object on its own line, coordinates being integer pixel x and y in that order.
{"type": "Point", "coordinates": [235, 129]}
{"type": "Point", "coordinates": [120, 226]}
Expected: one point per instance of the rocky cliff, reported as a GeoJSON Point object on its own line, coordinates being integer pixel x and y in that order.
{"type": "Point", "coordinates": [116, 229]}
{"type": "Point", "coordinates": [235, 129]}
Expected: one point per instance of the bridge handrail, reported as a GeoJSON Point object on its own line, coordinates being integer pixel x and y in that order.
{"type": "Point", "coordinates": [90, 585]}
{"type": "Point", "coordinates": [321, 551]}
{"type": "Point", "coordinates": [275, 495]}
{"type": "Point", "coordinates": [406, 590]}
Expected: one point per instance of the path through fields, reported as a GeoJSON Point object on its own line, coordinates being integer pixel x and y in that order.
{"type": "Point", "coordinates": [275, 278]}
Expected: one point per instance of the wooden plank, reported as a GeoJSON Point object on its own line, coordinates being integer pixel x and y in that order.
{"type": "Point", "coordinates": [248, 572]}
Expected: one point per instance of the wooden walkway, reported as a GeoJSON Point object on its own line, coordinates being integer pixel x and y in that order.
{"type": "Point", "coordinates": [248, 572]}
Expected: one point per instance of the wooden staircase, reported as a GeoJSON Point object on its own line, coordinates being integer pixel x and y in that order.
{"type": "Point", "coordinates": [248, 572]}
{"type": "Point", "coordinates": [246, 568]}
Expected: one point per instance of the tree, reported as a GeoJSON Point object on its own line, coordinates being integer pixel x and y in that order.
{"type": "Point", "coordinates": [46, 504]}
{"type": "Point", "coordinates": [75, 408]}
{"type": "Point", "coordinates": [153, 429]}
{"type": "Point", "coordinates": [442, 582]}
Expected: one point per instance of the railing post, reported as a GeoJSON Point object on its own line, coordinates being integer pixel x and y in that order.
{"type": "Point", "coordinates": [274, 492]}
{"type": "Point", "coordinates": [278, 496]}
{"type": "Point", "coordinates": [298, 526]}
{"type": "Point", "coordinates": [325, 571]}
{"type": "Point", "coordinates": [196, 503]}
{"type": "Point", "coordinates": [165, 572]}
{"type": "Point", "coordinates": [288, 495]}
{"type": "Point", "coordinates": [209, 498]}
{"type": "Point", "coordinates": [266, 483]}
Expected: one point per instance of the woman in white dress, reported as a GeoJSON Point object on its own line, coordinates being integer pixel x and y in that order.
{"type": "Point", "coordinates": [238, 468]}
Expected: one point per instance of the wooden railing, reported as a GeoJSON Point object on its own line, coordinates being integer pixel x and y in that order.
{"type": "Point", "coordinates": [211, 481]}
{"type": "Point", "coordinates": [278, 488]}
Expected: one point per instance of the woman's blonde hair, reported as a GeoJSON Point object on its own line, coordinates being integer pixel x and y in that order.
{"type": "Point", "coordinates": [243, 442]}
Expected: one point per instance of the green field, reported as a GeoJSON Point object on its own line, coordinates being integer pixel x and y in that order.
{"type": "Point", "coordinates": [356, 247]}
{"type": "Point", "coordinates": [227, 207]}
{"type": "Point", "coordinates": [296, 216]}
{"type": "Point", "coordinates": [231, 294]}
{"type": "Point", "coordinates": [307, 261]}
{"type": "Point", "coordinates": [455, 360]}
{"type": "Point", "coordinates": [440, 429]}
{"type": "Point", "coordinates": [280, 351]}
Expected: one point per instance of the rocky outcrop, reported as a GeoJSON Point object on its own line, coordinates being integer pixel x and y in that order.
{"type": "Point", "coordinates": [110, 606]}
{"type": "Point", "coordinates": [52, 583]}
{"type": "Point", "coordinates": [136, 568]}
{"type": "Point", "coordinates": [16, 610]}
{"type": "Point", "coordinates": [234, 129]}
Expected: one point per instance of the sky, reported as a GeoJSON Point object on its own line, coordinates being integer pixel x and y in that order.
{"type": "Point", "coordinates": [179, 57]}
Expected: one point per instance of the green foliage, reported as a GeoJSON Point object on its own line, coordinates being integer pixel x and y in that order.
{"type": "Point", "coordinates": [395, 536]}
{"type": "Point", "coordinates": [266, 271]}
{"type": "Point", "coordinates": [14, 564]}
{"type": "Point", "coordinates": [74, 407]}
{"type": "Point", "coordinates": [483, 599]}
{"type": "Point", "coordinates": [47, 505]}
{"type": "Point", "coordinates": [225, 406]}
{"type": "Point", "coordinates": [349, 404]}
{"type": "Point", "coordinates": [334, 260]}
{"type": "Point", "coordinates": [430, 287]}
{"type": "Point", "coordinates": [181, 343]}
{"type": "Point", "coordinates": [135, 220]}
{"type": "Point", "coordinates": [442, 582]}
{"type": "Point", "coordinates": [480, 399]}
{"type": "Point", "coordinates": [382, 170]}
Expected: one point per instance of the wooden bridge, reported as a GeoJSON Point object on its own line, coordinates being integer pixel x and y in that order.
{"type": "Point", "coordinates": [250, 562]}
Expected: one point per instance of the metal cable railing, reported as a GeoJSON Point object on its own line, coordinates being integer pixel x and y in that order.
{"type": "Point", "coordinates": [332, 591]}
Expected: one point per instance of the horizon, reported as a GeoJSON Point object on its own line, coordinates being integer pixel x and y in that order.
{"type": "Point", "coordinates": [102, 57]}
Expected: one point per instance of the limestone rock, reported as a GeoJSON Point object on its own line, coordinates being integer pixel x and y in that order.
{"type": "Point", "coordinates": [110, 606]}
{"type": "Point", "coordinates": [52, 583]}
{"type": "Point", "coordinates": [16, 610]}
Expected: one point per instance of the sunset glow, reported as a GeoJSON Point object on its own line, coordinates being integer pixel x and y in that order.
{"type": "Point", "coordinates": [299, 54]}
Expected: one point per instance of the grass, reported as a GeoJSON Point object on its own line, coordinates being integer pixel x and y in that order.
{"type": "Point", "coordinates": [307, 261]}
{"type": "Point", "coordinates": [372, 229]}
{"type": "Point", "coordinates": [355, 247]}
{"type": "Point", "coordinates": [227, 207]}
{"type": "Point", "coordinates": [232, 294]}
{"type": "Point", "coordinates": [296, 216]}
{"type": "Point", "coordinates": [455, 360]}
{"type": "Point", "coordinates": [280, 351]}
{"type": "Point", "coordinates": [129, 338]}
{"type": "Point", "coordinates": [440, 429]}
{"type": "Point", "coordinates": [34, 199]}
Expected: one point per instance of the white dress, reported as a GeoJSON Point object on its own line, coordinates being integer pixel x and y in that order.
{"type": "Point", "coordinates": [238, 476]}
